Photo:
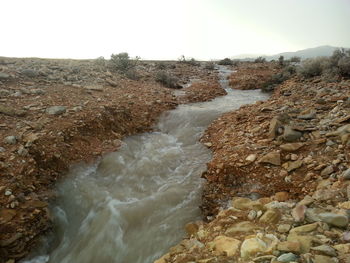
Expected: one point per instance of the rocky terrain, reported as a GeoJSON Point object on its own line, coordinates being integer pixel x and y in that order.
{"type": "Point", "coordinates": [55, 113]}
{"type": "Point", "coordinates": [278, 186]}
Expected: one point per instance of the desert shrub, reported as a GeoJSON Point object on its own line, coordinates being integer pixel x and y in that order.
{"type": "Point", "coordinates": [132, 74]}
{"type": "Point", "coordinates": [210, 65]}
{"type": "Point", "coordinates": [226, 62]}
{"type": "Point", "coordinates": [279, 78]}
{"type": "Point", "coordinates": [260, 60]}
{"type": "Point", "coordinates": [192, 61]}
{"type": "Point", "coordinates": [281, 60]}
{"type": "Point", "coordinates": [313, 67]}
{"type": "Point", "coordinates": [295, 59]}
{"type": "Point", "coordinates": [100, 62]}
{"type": "Point", "coordinates": [161, 65]}
{"type": "Point", "coordinates": [122, 62]}
{"type": "Point", "coordinates": [344, 66]}
{"type": "Point", "coordinates": [167, 80]}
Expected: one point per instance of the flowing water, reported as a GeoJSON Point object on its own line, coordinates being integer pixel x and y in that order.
{"type": "Point", "coordinates": [132, 205]}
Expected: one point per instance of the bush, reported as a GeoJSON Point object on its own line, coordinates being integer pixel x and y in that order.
{"type": "Point", "coordinates": [278, 78]}
{"type": "Point", "coordinates": [191, 62]}
{"type": "Point", "coordinates": [313, 67]}
{"type": "Point", "coordinates": [226, 62]}
{"type": "Point", "coordinates": [344, 66]}
{"type": "Point", "coordinates": [161, 65]}
{"type": "Point", "coordinates": [209, 65]}
{"type": "Point", "coordinates": [167, 80]}
{"type": "Point", "coordinates": [260, 60]}
{"type": "Point", "coordinates": [295, 59]}
{"type": "Point", "coordinates": [122, 62]}
{"type": "Point", "coordinates": [281, 60]}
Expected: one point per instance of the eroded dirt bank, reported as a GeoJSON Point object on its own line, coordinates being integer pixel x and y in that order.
{"type": "Point", "coordinates": [55, 113]}
{"type": "Point", "coordinates": [278, 187]}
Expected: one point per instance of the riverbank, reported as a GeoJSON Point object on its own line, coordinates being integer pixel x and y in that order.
{"type": "Point", "coordinates": [278, 187]}
{"type": "Point", "coordinates": [55, 113]}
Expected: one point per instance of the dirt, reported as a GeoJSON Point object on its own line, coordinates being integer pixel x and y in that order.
{"type": "Point", "coordinates": [98, 107]}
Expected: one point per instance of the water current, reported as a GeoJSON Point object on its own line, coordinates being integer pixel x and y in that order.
{"type": "Point", "coordinates": [131, 206]}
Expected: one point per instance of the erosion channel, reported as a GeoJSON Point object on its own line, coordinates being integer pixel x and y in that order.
{"type": "Point", "coordinates": [132, 205]}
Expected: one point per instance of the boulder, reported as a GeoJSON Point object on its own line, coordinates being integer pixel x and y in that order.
{"type": "Point", "coordinates": [291, 135]}
{"type": "Point", "coordinates": [271, 158]}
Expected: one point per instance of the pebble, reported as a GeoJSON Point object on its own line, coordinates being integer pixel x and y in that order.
{"type": "Point", "coordinates": [56, 110]}
{"type": "Point", "coordinates": [10, 139]}
{"type": "Point", "coordinates": [287, 257]}
{"type": "Point", "coordinates": [334, 219]}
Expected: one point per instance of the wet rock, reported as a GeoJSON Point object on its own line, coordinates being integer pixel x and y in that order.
{"type": "Point", "coordinates": [271, 158]}
{"type": "Point", "coordinates": [326, 250]}
{"type": "Point", "coordinates": [191, 228]}
{"type": "Point", "coordinates": [271, 216]}
{"type": "Point", "coordinates": [287, 257]}
{"type": "Point", "coordinates": [228, 245]}
{"type": "Point", "coordinates": [291, 147]}
{"type": "Point", "coordinates": [56, 110]}
{"type": "Point", "coordinates": [9, 241]}
{"type": "Point", "coordinates": [291, 135]}
{"type": "Point", "coordinates": [6, 215]}
{"type": "Point", "coordinates": [334, 219]}
{"type": "Point", "coordinates": [10, 139]}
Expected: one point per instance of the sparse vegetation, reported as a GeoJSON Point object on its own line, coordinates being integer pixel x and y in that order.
{"type": "Point", "coordinates": [226, 62]}
{"type": "Point", "coordinates": [279, 78]}
{"type": "Point", "coordinates": [281, 60]}
{"type": "Point", "coordinates": [331, 68]}
{"type": "Point", "coordinates": [167, 80]}
{"type": "Point", "coordinates": [260, 60]}
{"type": "Point", "coordinates": [210, 65]}
{"type": "Point", "coordinates": [192, 61]}
{"type": "Point", "coordinates": [295, 59]}
{"type": "Point", "coordinates": [122, 62]}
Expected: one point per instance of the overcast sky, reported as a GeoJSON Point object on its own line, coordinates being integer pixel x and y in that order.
{"type": "Point", "coordinates": [167, 29]}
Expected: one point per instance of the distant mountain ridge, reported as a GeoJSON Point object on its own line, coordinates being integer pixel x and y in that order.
{"type": "Point", "coordinates": [303, 54]}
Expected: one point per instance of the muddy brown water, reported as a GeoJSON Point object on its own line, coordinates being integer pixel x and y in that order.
{"type": "Point", "coordinates": [131, 206]}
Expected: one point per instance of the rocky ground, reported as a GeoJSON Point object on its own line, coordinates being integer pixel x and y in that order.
{"type": "Point", "coordinates": [54, 113]}
{"type": "Point", "coordinates": [278, 186]}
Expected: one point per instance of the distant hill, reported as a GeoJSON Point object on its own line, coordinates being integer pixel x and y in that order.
{"type": "Point", "coordinates": [306, 53]}
{"type": "Point", "coordinates": [303, 54]}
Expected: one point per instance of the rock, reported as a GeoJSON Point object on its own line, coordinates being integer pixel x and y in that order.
{"type": "Point", "coordinates": [327, 171]}
{"type": "Point", "coordinates": [291, 135]}
{"type": "Point", "coordinates": [326, 250]}
{"type": "Point", "coordinates": [251, 158]}
{"type": "Point", "coordinates": [242, 227]}
{"type": "Point", "coordinates": [94, 88]}
{"type": "Point", "coordinates": [307, 200]}
{"type": "Point", "coordinates": [56, 110]}
{"type": "Point", "coordinates": [344, 205]}
{"type": "Point", "coordinates": [11, 111]}
{"type": "Point", "coordinates": [275, 124]}
{"type": "Point", "coordinates": [342, 248]}
{"type": "Point", "coordinates": [271, 216]}
{"type": "Point", "coordinates": [29, 73]}
{"type": "Point", "coordinates": [346, 174]}
{"type": "Point", "coordinates": [334, 219]}
{"type": "Point", "coordinates": [261, 244]}
{"type": "Point", "coordinates": [191, 228]}
{"type": "Point", "coordinates": [11, 240]}
{"type": "Point", "coordinates": [283, 228]}
{"type": "Point", "coordinates": [163, 259]}
{"type": "Point", "coordinates": [281, 196]}
{"type": "Point", "coordinates": [4, 76]}
{"type": "Point", "coordinates": [271, 158]}
{"type": "Point", "coordinates": [346, 236]}
{"type": "Point", "coordinates": [324, 259]}
{"type": "Point", "coordinates": [291, 166]}
{"type": "Point", "coordinates": [10, 139]}
{"type": "Point", "coordinates": [208, 144]}
{"type": "Point", "coordinates": [298, 212]}
{"type": "Point", "coordinates": [289, 246]}
{"type": "Point", "coordinates": [228, 245]}
{"type": "Point", "coordinates": [308, 116]}
{"type": "Point", "coordinates": [246, 204]}
{"type": "Point", "coordinates": [304, 241]}
{"type": "Point", "coordinates": [287, 257]}
{"type": "Point", "coordinates": [252, 215]}
{"type": "Point", "coordinates": [304, 229]}
{"type": "Point", "coordinates": [6, 215]}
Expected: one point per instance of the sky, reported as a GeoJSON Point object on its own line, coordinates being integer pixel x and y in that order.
{"type": "Point", "coordinates": [167, 29]}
